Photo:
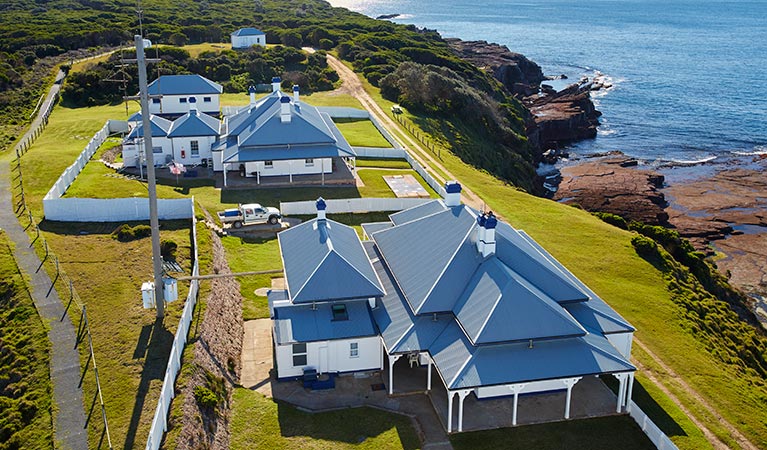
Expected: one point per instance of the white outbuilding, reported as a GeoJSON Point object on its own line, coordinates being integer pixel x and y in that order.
{"type": "Point", "coordinates": [247, 37]}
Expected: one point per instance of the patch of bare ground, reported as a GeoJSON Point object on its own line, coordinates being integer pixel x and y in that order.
{"type": "Point", "coordinates": [216, 362]}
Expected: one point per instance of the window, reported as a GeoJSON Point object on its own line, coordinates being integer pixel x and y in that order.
{"type": "Point", "coordinates": [182, 100]}
{"type": "Point", "coordinates": [268, 164]}
{"type": "Point", "coordinates": [299, 355]}
{"type": "Point", "coordinates": [156, 101]}
{"type": "Point", "coordinates": [309, 162]}
{"type": "Point", "coordinates": [354, 350]}
{"type": "Point", "coordinates": [156, 149]}
{"type": "Point", "coordinates": [206, 99]}
{"type": "Point", "coordinates": [340, 313]}
{"type": "Point", "coordinates": [195, 148]}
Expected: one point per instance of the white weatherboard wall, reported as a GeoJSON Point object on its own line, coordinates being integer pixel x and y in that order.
{"type": "Point", "coordinates": [352, 205]}
{"type": "Point", "coordinates": [337, 352]}
{"type": "Point", "coordinates": [286, 167]}
{"type": "Point", "coordinates": [531, 387]}
{"type": "Point", "coordinates": [172, 104]}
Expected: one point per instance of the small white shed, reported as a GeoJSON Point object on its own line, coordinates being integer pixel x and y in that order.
{"type": "Point", "coordinates": [247, 37]}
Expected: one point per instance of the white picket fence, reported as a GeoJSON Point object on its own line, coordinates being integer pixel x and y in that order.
{"type": "Point", "coordinates": [70, 173]}
{"type": "Point", "coordinates": [160, 420]}
{"type": "Point", "coordinates": [655, 434]}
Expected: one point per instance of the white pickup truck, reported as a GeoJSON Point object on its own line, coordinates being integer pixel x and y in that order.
{"type": "Point", "coordinates": [250, 214]}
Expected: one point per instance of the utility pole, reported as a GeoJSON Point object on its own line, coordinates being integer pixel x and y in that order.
{"type": "Point", "coordinates": [154, 223]}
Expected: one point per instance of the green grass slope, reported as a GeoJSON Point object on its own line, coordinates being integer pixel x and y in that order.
{"type": "Point", "coordinates": [25, 386]}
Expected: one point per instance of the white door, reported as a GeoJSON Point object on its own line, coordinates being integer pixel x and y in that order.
{"type": "Point", "coordinates": [323, 359]}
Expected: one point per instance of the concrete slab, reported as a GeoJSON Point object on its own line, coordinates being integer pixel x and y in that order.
{"type": "Point", "coordinates": [405, 186]}
{"type": "Point", "coordinates": [257, 359]}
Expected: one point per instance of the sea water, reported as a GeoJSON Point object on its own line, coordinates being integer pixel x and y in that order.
{"type": "Point", "coordinates": [689, 76]}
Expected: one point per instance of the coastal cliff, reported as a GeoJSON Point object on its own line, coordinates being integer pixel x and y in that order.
{"type": "Point", "coordinates": [557, 117]}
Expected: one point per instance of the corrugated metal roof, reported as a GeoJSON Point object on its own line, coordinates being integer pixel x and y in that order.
{"type": "Point", "coordinates": [248, 32]}
{"type": "Point", "coordinates": [159, 126]}
{"type": "Point", "coordinates": [417, 212]}
{"type": "Point", "coordinates": [324, 260]}
{"type": "Point", "coordinates": [418, 253]}
{"type": "Point", "coordinates": [182, 85]}
{"type": "Point", "coordinates": [301, 323]}
{"type": "Point", "coordinates": [194, 123]}
{"type": "Point", "coordinates": [299, 131]}
{"type": "Point", "coordinates": [370, 228]}
{"type": "Point", "coordinates": [516, 253]}
{"type": "Point", "coordinates": [594, 313]}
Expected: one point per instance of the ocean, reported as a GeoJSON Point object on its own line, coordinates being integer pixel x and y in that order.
{"type": "Point", "coordinates": [689, 76]}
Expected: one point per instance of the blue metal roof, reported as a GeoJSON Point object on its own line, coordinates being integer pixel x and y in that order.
{"type": "Point", "coordinates": [135, 117]}
{"type": "Point", "coordinates": [417, 212]}
{"type": "Point", "coordinates": [324, 260]}
{"type": "Point", "coordinates": [498, 305]}
{"type": "Point", "coordinates": [183, 85]}
{"type": "Point", "coordinates": [370, 228]}
{"type": "Point", "coordinates": [418, 253]}
{"type": "Point", "coordinates": [257, 133]}
{"type": "Point", "coordinates": [160, 128]}
{"type": "Point", "coordinates": [248, 32]}
{"type": "Point", "coordinates": [194, 123]}
{"type": "Point", "coordinates": [302, 323]}
{"type": "Point", "coordinates": [517, 253]}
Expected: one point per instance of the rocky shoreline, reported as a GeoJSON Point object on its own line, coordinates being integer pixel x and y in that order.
{"type": "Point", "coordinates": [721, 208]}
{"type": "Point", "coordinates": [559, 117]}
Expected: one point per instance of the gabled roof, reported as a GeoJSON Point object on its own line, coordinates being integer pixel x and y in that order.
{"type": "Point", "coordinates": [183, 85]}
{"type": "Point", "coordinates": [248, 32]}
{"type": "Point", "coordinates": [194, 123]}
{"type": "Point", "coordinates": [431, 258]}
{"type": "Point", "coordinates": [417, 212]}
{"type": "Point", "coordinates": [324, 260]}
{"type": "Point", "coordinates": [160, 128]}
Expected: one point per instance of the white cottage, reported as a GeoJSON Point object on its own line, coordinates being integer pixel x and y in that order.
{"type": "Point", "coordinates": [477, 302]}
{"type": "Point", "coordinates": [170, 95]}
{"type": "Point", "coordinates": [247, 37]}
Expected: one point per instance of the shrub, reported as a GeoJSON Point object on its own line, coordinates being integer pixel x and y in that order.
{"type": "Point", "coordinates": [205, 397]}
{"type": "Point", "coordinates": [126, 233]}
{"type": "Point", "coordinates": [168, 249]}
{"type": "Point", "coordinates": [613, 219]}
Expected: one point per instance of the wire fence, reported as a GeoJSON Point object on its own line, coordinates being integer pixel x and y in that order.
{"type": "Point", "coordinates": [30, 137]}
{"type": "Point", "coordinates": [51, 263]}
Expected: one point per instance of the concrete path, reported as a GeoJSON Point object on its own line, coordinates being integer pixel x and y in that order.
{"type": "Point", "coordinates": [49, 98]}
{"type": "Point", "coordinates": [69, 418]}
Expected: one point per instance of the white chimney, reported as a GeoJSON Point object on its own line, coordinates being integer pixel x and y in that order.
{"type": "Point", "coordinates": [295, 93]}
{"type": "Point", "coordinates": [252, 92]}
{"type": "Point", "coordinates": [489, 238]}
{"type": "Point", "coordinates": [276, 84]}
{"type": "Point", "coordinates": [192, 104]}
{"type": "Point", "coordinates": [453, 193]}
{"type": "Point", "coordinates": [321, 206]}
{"type": "Point", "coordinates": [481, 221]}
{"type": "Point", "coordinates": [285, 109]}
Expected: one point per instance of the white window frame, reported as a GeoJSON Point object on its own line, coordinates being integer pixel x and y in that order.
{"type": "Point", "coordinates": [182, 100]}
{"type": "Point", "coordinates": [194, 149]}
{"type": "Point", "coordinates": [156, 150]}
{"type": "Point", "coordinates": [300, 353]}
{"type": "Point", "coordinates": [309, 162]}
{"type": "Point", "coordinates": [268, 164]}
{"type": "Point", "coordinates": [207, 99]}
{"type": "Point", "coordinates": [354, 350]}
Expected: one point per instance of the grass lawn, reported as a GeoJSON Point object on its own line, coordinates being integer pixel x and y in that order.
{"type": "Point", "coordinates": [602, 257]}
{"type": "Point", "coordinates": [261, 423]}
{"type": "Point", "coordinates": [246, 255]}
{"type": "Point", "coordinates": [325, 98]}
{"type": "Point", "coordinates": [25, 400]}
{"type": "Point", "coordinates": [604, 433]}
{"type": "Point", "coordinates": [383, 163]}
{"type": "Point", "coordinates": [375, 186]}
{"type": "Point", "coordinates": [362, 133]}
{"type": "Point", "coordinates": [130, 346]}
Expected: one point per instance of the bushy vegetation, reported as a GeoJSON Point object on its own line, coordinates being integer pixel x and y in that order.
{"type": "Point", "coordinates": [127, 233]}
{"type": "Point", "coordinates": [25, 388]}
{"type": "Point", "coordinates": [235, 70]}
{"type": "Point", "coordinates": [709, 318]}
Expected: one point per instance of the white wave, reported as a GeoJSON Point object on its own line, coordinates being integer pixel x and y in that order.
{"type": "Point", "coordinates": [690, 162]}
{"type": "Point", "coordinates": [605, 132]}
{"type": "Point", "coordinates": [758, 150]}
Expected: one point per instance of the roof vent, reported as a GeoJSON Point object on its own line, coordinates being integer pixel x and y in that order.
{"type": "Point", "coordinates": [452, 193]}
{"type": "Point", "coordinates": [276, 84]}
{"type": "Point", "coordinates": [321, 206]}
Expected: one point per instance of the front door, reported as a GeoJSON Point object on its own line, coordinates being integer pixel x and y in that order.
{"type": "Point", "coordinates": [323, 359]}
